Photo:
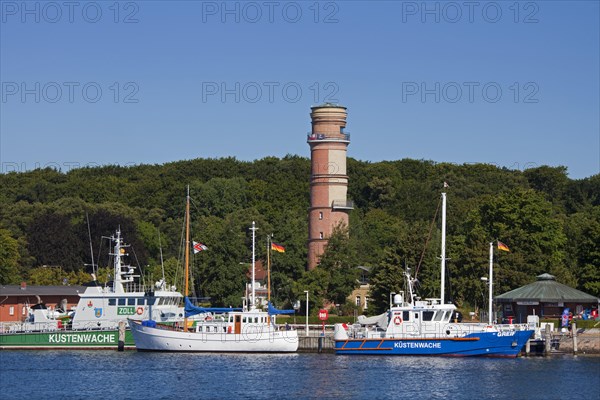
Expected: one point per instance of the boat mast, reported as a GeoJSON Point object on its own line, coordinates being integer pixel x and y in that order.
{"type": "Point", "coordinates": [490, 283]}
{"type": "Point", "coordinates": [87, 217]}
{"type": "Point", "coordinates": [269, 268]}
{"type": "Point", "coordinates": [118, 279]}
{"type": "Point", "coordinates": [253, 229]}
{"type": "Point", "coordinates": [162, 264]}
{"type": "Point", "coordinates": [187, 250]}
{"type": "Point", "coordinates": [443, 256]}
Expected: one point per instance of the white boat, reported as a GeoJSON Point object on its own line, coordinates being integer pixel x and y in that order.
{"type": "Point", "coordinates": [105, 306]}
{"type": "Point", "coordinates": [236, 331]}
{"type": "Point", "coordinates": [94, 322]}
{"type": "Point", "coordinates": [429, 327]}
{"type": "Point", "coordinates": [225, 330]}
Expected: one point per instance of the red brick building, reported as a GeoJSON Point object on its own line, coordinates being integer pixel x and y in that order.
{"type": "Point", "coordinates": [15, 300]}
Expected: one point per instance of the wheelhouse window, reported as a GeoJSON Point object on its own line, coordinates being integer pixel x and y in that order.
{"type": "Point", "coordinates": [405, 315]}
{"type": "Point", "coordinates": [141, 301]}
{"type": "Point", "coordinates": [112, 302]}
{"type": "Point", "coordinates": [122, 302]}
{"type": "Point", "coordinates": [131, 301]}
{"type": "Point", "coordinates": [428, 315]}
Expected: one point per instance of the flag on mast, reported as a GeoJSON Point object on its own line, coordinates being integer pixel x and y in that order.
{"type": "Point", "coordinates": [198, 247]}
{"type": "Point", "coordinates": [502, 246]}
{"type": "Point", "coordinates": [277, 247]}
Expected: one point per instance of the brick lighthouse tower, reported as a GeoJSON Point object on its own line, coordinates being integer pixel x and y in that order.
{"type": "Point", "coordinates": [328, 180]}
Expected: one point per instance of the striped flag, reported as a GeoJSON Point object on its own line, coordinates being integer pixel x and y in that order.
{"type": "Point", "coordinates": [277, 247]}
{"type": "Point", "coordinates": [198, 247]}
{"type": "Point", "coordinates": [502, 246]}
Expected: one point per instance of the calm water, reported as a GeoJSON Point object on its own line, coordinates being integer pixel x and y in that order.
{"type": "Point", "coordinates": [132, 375]}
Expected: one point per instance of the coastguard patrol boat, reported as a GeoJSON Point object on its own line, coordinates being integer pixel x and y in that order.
{"type": "Point", "coordinates": [414, 327]}
{"type": "Point", "coordinates": [94, 322]}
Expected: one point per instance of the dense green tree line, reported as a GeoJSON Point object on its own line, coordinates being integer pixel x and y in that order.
{"type": "Point", "coordinates": [550, 222]}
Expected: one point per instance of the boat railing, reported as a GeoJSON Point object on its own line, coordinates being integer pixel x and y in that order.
{"type": "Point", "coordinates": [435, 330]}
{"type": "Point", "coordinates": [136, 287]}
{"type": "Point", "coordinates": [17, 327]}
{"type": "Point", "coordinates": [105, 324]}
{"type": "Point", "coordinates": [512, 327]}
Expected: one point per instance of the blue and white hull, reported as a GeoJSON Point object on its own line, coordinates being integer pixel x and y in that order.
{"type": "Point", "coordinates": [482, 344]}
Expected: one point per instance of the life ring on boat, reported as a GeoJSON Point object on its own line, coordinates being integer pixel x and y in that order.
{"type": "Point", "coordinates": [140, 310]}
{"type": "Point", "coordinates": [397, 320]}
{"type": "Point", "coordinates": [229, 329]}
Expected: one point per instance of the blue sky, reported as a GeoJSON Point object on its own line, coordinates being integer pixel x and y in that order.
{"type": "Point", "coordinates": [515, 84]}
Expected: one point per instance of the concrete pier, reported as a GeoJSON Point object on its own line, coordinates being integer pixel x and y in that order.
{"type": "Point", "coordinates": [316, 344]}
{"type": "Point", "coordinates": [580, 341]}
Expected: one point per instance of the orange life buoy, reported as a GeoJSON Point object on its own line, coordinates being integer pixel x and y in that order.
{"type": "Point", "coordinates": [140, 310]}
{"type": "Point", "coordinates": [228, 329]}
{"type": "Point", "coordinates": [397, 320]}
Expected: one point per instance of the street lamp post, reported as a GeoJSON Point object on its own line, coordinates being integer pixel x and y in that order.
{"type": "Point", "coordinates": [296, 308]}
{"type": "Point", "coordinates": [487, 283]}
{"type": "Point", "coordinates": [306, 291]}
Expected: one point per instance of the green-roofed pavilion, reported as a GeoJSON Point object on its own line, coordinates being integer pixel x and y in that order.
{"type": "Point", "coordinates": [545, 297]}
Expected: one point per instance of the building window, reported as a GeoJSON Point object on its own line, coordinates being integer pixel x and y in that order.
{"type": "Point", "coordinates": [366, 302]}
{"type": "Point", "coordinates": [24, 310]}
{"type": "Point", "coordinates": [11, 310]}
{"type": "Point", "coordinates": [320, 235]}
{"type": "Point", "coordinates": [358, 301]}
{"type": "Point", "coordinates": [320, 215]}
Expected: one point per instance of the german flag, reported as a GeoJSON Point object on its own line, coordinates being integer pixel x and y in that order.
{"type": "Point", "coordinates": [502, 246]}
{"type": "Point", "coordinates": [277, 247]}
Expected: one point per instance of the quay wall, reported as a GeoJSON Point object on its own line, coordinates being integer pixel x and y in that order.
{"type": "Point", "coordinates": [310, 344]}
{"type": "Point", "coordinates": [588, 342]}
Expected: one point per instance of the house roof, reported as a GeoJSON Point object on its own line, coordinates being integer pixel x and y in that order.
{"type": "Point", "coordinates": [32, 290]}
{"type": "Point", "coordinates": [260, 273]}
{"type": "Point", "coordinates": [546, 289]}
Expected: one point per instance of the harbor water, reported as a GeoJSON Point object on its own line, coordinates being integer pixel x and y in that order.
{"type": "Point", "coordinates": [135, 375]}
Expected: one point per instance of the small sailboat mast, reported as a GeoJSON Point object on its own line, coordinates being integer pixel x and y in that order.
{"type": "Point", "coordinates": [187, 252]}
{"type": "Point", "coordinates": [269, 268]}
{"type": "Point", "coordinates": [491, 280]}
{"type": "Point", "coordinates": [253, 229]}
{"type": "Point", "coordinates": [443, 255]}
{"type": "Point", "coordinates": [269, 277]}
